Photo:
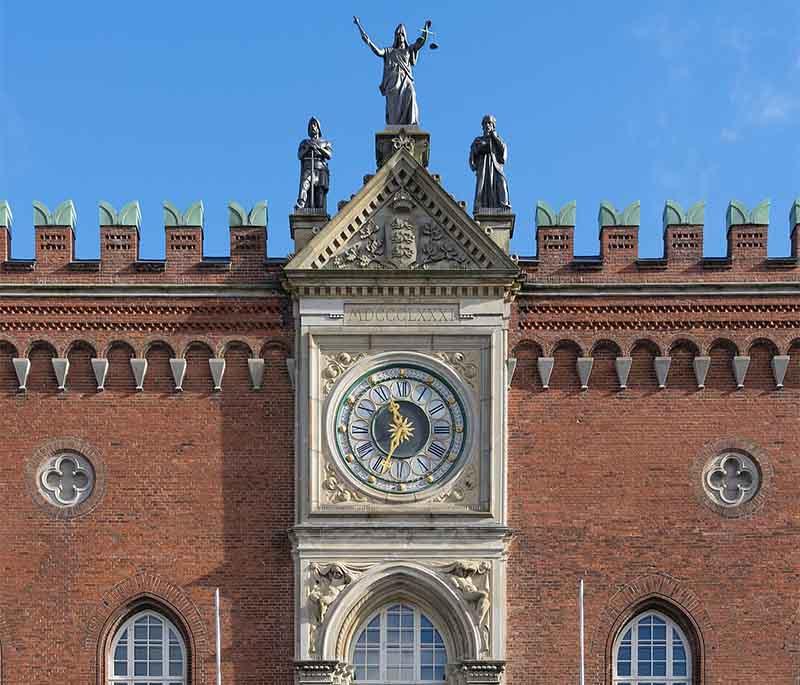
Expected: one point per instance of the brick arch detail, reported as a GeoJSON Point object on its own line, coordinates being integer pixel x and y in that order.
{"type": "Point", "coordinates": [143, 589]}
{"type": "Point", "coordinates": [651, 591]}
{"type": "Point", "coordinates": [274, 344]}
{"type": "Point", "coordinates": [39, 342]}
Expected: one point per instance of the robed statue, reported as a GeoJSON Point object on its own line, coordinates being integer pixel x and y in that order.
{"type": "Point", "coordinates": [314, 153]}
{"type": "Point", "coordinates": [486, 158]}
{"type": "Point", "coordinates": [397, 85]}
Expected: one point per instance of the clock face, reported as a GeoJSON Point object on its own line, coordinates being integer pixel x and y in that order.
{"type": "Point", "coordinates": [401, 429]}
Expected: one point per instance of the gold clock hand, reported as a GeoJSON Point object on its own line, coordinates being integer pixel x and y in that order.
{"type": "Point", "coordinates": [393, 445]}
{"type": "Point", "coordinates": [402, 430]}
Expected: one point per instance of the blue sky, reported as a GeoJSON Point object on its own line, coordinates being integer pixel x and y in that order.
{"type": "Point", "coordinates": [185, 101]}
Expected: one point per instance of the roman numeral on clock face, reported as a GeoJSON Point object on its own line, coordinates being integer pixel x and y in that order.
{"type": "Point", "coordinates": [365, 449]}
{"type": "Point", "coordinates": [436, 409]}
{"type": "Point", "coordinates": [355, 429]}
{"type": "Point", "coordinates": [441, 429]}
{"type": "Point", "coordinates": [403, 388]}
{"type": "Point", "coordinates": [437, 449]}
{"type": "Point", "coordinates": [382, 392]}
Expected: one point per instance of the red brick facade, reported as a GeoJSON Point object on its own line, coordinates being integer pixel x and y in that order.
{"type": "Point", "coordinates": [195, 489]}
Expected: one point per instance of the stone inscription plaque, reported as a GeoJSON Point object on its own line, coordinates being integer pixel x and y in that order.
{"type": "Point", "coordinates": [400, 314]}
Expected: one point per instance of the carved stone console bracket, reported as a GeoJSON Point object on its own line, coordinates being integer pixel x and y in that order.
{"type": "Point", "coordinates": [480, 672]}
{"type": "Point", "coordinates": [325, 584]}
{"type": "Point", "coordinates": [322, 673]}
{"type": "Point", "coordinates": [471, 579]}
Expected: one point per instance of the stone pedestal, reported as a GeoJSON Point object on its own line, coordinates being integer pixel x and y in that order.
{"type": "Point", "coordinates": [304, 224]}
{"type": "Point", "coordinates": [500, 222]}
{"type": "Point", "coordinates": [412, 138]}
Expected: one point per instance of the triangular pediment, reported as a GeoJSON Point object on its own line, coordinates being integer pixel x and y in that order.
{"type": "Point", "coordinates": [402, 220]}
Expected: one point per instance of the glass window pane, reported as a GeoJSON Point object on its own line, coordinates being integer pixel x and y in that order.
{"type": "Point", "coordinates": [140, 629]}
{"type": "Point", "coordinates": [643, 649]}
{"type": "Point", "coordinates": [153, 664]}
{"type": "Point", "coordinates": [409, 650]}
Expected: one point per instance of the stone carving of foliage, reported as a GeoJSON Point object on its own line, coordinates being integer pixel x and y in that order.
{"type": "Point", "coordinates": [458, 492]}
{"type": "Point", "coordinates": [463, 364]}
{"type": "Point", "coordinates": [335, 366]}
{"type": "Point", "coordinates": [437, 247]}
{"type": "Point", "coordinates": [367, 251]}
{"type": "Point", "coordinates": [337, 493]}
{"type": "Point", "coordinates": [403, 141]}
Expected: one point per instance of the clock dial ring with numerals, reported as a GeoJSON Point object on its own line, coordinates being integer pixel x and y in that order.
{"type": "Point", "coordinates": [401, 429]}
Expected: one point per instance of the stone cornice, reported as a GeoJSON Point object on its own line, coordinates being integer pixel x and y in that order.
{"type": "Point", "coordinates": [533, 289]}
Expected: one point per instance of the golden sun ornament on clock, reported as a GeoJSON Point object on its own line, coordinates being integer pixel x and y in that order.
{"type": "Point", "coordinates": [401, 429]}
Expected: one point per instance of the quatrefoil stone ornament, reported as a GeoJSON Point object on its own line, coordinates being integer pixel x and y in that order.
{"type": "Point", "coordinates": [731, 479]}
{"type": "Point", "coordinates": [66, 479]}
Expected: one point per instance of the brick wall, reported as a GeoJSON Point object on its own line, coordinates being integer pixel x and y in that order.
{"type": "Point", "coordinates": [604, 484]}
{"type": "Point", "coordinates": [194, 489]}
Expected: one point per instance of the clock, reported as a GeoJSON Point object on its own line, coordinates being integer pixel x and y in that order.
{"type": "Point", "coordinates": [401, 429]}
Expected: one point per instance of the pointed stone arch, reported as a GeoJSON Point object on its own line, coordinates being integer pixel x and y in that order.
{"type": "Point", "coordinates": [409, 583]}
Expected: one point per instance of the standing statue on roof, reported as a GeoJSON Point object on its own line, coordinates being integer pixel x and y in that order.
{"type": "Point", "coordinates": [397, 85]}
{"type": "Point", "coordinates": [487, 155]}
{"type": "Point", "coordinates": [314, 153]}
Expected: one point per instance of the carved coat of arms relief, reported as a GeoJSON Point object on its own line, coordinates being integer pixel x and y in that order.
{"type": "Point", "coordinates": [401, 239]}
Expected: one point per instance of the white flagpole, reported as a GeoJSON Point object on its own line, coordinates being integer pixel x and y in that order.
{"type": "Point", "coordinates": [580, 612]}
{"type": "Point", "coordinates": [219, 637]}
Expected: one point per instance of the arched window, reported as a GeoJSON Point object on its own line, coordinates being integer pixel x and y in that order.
{"type": "Point", "coordinates": [398, 645]}
{"type": "Point", "coordinates": [652, 650]}
{"type": "Point", "coordinates": [147, 650]}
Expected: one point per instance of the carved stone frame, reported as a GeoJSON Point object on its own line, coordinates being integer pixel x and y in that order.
{"type": "Point", "coordinates": [422, 347]}
{"type": "Point", "coordinates": [362, 366]}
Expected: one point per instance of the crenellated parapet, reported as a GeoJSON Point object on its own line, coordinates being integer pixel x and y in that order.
{"type": "Point", "coordinates": [555, 233]}
{"type": "Point", "coordinates": [747, 231]}
{"type": "Point", "coordinates": [683, 232]}
{"type": "Point", "coordinates": [618, 259]}
{"type": "Point", "coordinates": [119, 247]}
{"type": "Point", "coordinates": [619, 233]}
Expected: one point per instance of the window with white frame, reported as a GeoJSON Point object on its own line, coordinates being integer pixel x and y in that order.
{"type": "Point", "coordinates": [652, 650]}
{"type": "Point", "coordinates": [401, 646]}
{"type": "Point", "coordinates": [147, 650]}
